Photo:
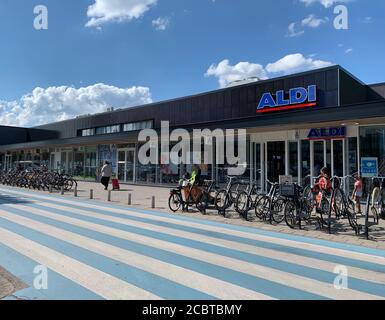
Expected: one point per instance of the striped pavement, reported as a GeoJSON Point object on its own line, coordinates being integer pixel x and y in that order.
{"type": "Point", "coordinates": [96, 250]}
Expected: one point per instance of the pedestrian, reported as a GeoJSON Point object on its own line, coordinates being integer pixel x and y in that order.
{"type": "Point", "coordinates": [106, 173]}
{"type": "Point", "coordinates": [358, 192]}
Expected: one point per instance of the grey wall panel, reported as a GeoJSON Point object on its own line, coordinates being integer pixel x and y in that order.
{"type": "Point", "coordinates": [221, 105]}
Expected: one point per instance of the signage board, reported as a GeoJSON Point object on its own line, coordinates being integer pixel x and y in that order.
{"type": "Point", "coordinates": [285, 179]}
{"type": "Point", "coordinates": [296, 98]}
{"type": "Point", "coordinates": [369, 167]}
{"type": "Point", "coordinates": [327, 133]}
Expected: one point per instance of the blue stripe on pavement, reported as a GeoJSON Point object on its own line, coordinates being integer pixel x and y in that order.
{"type": "Point", "coordinates": [326, 243]}
{"type": "Point", "coordinates": [338, 260]}
{"type": "Point", "coordinates": [157, 285]}
{"type": "Point", "coordinates": [313, 273]}
{"type": "Point", "coordinates": [59, 287]}
{"type": "Point", "coordinates": [253, 283]}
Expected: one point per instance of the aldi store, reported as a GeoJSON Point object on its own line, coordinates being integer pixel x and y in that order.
{"type": "Point", "coordinates": [295, 125]}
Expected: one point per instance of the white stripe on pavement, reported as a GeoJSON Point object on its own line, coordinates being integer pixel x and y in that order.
{"type": "Point", "coordinates": [90, 278]}
{"type": "Point", "coordinates": [269, 239]}
{"type": "Point", "coordinates": [200, 282]}
{"type": "Point", "coordinates": [354, 272]}
{"type": "Point", "coordinates": [285, 278]}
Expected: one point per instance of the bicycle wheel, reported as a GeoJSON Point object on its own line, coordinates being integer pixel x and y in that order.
{"type": "Point", "coordinates": [222, 201]}
{"type": "Point", "coordinates": [203, 202]}
{"type": "Point", "coordinates": [324, 210]}
{"type": "Point", "coordinates": [339, 206]}
{"type": "Point", "coordinates": [277, 210]}
{"type": "Point", "coordinates": [262, 207]}
{"type": "Point", "coordinates": [242, 203]}
{"type": "Point", "coordinates": [290, 214]}
{"type": "Point", "coordinates": [175, 202]}
{"type": "Point", "coordinates": [375, 214]}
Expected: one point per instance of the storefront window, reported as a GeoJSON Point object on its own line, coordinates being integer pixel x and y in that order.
{"type": "Point", "coordinates": [305, 162]}
{"type": "Point", "coordinates": [78, 169]}
{"type": "Point", "coordinates": [293, 160]}
{"type": "Point", "coordinates": [147, 174]}
{"type": "Point", "coordinates": [352, 156]}
{"type": "Point", "coordinates": [319, 160]}
{"type": "Point", "coordinates": [372, 144]}
{"type": "Point", "coordinates": [338, 162]}
{"type": "Point", "coordinates": [90, 163]}
{"type": "Point", "coordinates": [275, 160]}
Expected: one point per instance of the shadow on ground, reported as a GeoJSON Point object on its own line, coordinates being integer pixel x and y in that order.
{"type": "Point", "coordinates": [5, 199]}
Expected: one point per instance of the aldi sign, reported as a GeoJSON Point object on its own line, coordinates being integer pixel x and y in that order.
{"type": "Point", "coordinates": [297, 98]}
{"type": "Point", "coordinates": [327, 133]}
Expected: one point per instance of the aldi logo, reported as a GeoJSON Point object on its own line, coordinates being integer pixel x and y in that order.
{"type": "Point", "coordinates": [297, 98]}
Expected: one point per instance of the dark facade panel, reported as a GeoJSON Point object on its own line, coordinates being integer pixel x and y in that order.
{"type": "Point", "coordinates": [11, 135]}
{"type": "Point", "coordinates": [221, 105]}
{"type": "Point", "coordinates": [377, 91]}
{"type": "Point", "coordinates": [352, 91]}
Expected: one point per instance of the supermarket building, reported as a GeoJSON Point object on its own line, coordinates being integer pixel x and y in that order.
{"type": "Point", "coordinates": [295, 125]}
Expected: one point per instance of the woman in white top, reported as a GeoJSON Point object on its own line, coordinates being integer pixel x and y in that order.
{"type": "Point", "coordinates": [106, 173]}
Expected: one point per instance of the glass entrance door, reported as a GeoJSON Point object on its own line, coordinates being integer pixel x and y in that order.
{"type": "Point", "coordinates": [8, 162]}
{"type": "Point", "coordinates": [276, 158]}
{"type": "Point", "coordinates": [257, 170]}
{"type": "Point", "coordinates": [330, 154]}
{"type": "Point", "coordinates": [338, 157]}
{"type": "Point", "coordinates": [126, 165]}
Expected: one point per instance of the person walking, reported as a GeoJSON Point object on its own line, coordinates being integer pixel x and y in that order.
{"type": "Point", "coordinates": [358, 192]}
{"type": "Point", "coordinates": [106, 173]}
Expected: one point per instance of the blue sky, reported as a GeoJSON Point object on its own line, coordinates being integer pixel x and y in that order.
{"type": "Point", "coordinates": [122, 49]}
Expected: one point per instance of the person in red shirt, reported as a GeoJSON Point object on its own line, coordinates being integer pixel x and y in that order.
{"type": "Point", "coordinates": [324, 183]}
{"type": "Point", "coordinates": [325, 180]}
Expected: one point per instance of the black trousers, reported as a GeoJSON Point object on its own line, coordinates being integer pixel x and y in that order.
{"type": "Point", "coordinates": [105, 181]}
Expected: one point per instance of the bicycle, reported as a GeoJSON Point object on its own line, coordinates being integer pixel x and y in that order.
{"type": "Point", "coordinates": [208, 196]}
{"type": "Point", "coordinates": [298, 207]}
{"type": "Point", "coordinates": [176, 201]}
{"type": "Point", "coordinates": [344, 206]}
{"type": "Point", "coordinates": [225, 198]}
{"type": "Point", "coordinates": [270, 207]}
{"type": "Point", "coordinates": [246, 200]}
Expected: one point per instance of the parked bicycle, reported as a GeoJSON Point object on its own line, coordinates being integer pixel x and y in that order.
{"type": "Point", "coordinates": [270, 207]}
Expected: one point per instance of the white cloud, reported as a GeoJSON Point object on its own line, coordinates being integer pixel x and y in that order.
{"type": "Point", "coordinates": [226, 73]}
{"type": "Point", "coordinates": [292, 32]}
{"type": "Point", "coordinates": [161, 23]}
{"type": "Point", "coordinates": [293, 63]}
{"type": "Point", "coordinates": [349, 50]}
{"type": "Point", "coordinates": [368, 20]}
{"type": "Point", "coordinates": [61, 103]}
{"type": "Point", "coordinates": [104, 11]}
{"type": "Point", "coordinates": [313, 22]}
{"type": "Point", "coordinates": [325, 3]}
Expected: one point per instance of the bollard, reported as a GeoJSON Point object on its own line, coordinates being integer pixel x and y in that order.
{"type": "Point", "coordinates": [91, 194]}
{"type": "Point", "coordinates": [109, 195]}
{"type": "Point", "coordinates": [50, 188]}
{"type": "Point", "coordinates": [129, 199]}
{"type": "Point", "coordinates": [76, 191]}
{"type": "Point", "coordinates": [62, 190]}
{"type": "Point", "coordinates": [153, 202]}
